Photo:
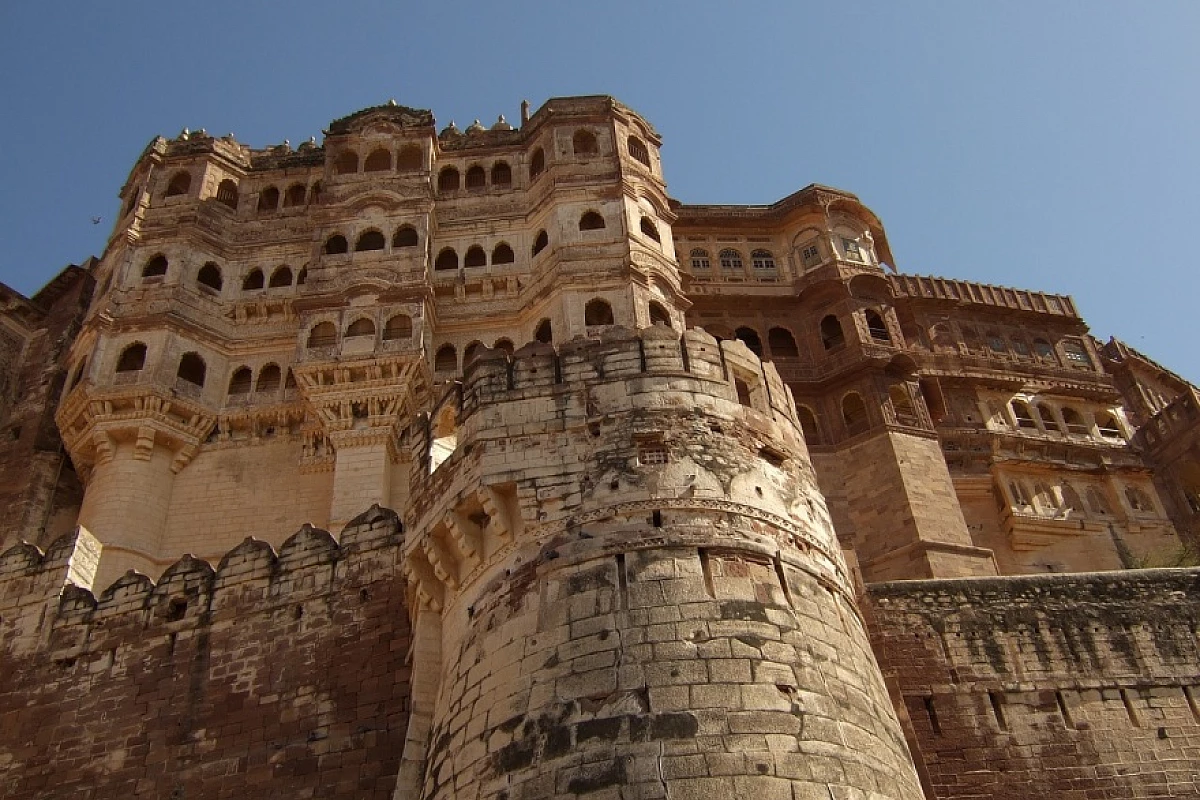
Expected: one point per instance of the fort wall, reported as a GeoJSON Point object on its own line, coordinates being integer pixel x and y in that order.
{"type": "Point", "coordinates": [1070, 686]}
{"type": "Point", "coordinates": [278, 674]}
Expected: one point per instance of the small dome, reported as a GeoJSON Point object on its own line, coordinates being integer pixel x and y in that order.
{"type": "Point", "coordinates": [392, 102]}
{"type": "Point", "coordinates": [311, 144]}
{"type": "Point", "coordinates": [475, 127]}
{"type": "Point", "coordinates": [502, 124]}
{"type": "Point", "coordinates": [451, 130]}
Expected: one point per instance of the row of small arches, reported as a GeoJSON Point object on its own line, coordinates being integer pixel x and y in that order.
{"type": "Point", "coordinates": [941, 337]}
{"type": "Point", "coordinates": [476, 256]}
{"type": "Point", "coordinates": [371, 240]}
{"type": "Point", "coordinates": [782, 342]}
{"type": "Point", "coordinates": [191, 368]}
{"type": "Point", "coordinates": [325, 334]}
{"type": "Point", "coordinates": [410, 158]}
{"type": "Point", "coordinates": [1030, 417]}
{"type": "Point", "coordinates": [211, 277]}
{"type": "Point", "coordinates": [855, 418]}
{"type": "Point", "coordinates": [731, 260]}
{"type": "Point", "coordinates": [1042, 498]}
{"type": "Point", "coordinates": [295, 196]}
{"type": "Point", "coordinates": [181, 183]}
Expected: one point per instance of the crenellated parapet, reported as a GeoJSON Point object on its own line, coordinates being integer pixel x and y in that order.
{"type": "Point", "coordinates": [47, 600]}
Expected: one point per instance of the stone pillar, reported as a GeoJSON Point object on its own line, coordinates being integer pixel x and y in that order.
{"type": "Point", "coordinates": [125, 505]}
{"type": "Point", "coordinates": [362, 474]}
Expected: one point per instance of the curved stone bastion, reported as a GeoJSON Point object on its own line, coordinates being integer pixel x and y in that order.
{"type": "Point", "coordinates": [624, 583]}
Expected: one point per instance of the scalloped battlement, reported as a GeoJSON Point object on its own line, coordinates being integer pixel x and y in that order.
{"type": "Point", "coordinates": [251, 576]}
{"type": "Point", "coordinates": [621, 354]}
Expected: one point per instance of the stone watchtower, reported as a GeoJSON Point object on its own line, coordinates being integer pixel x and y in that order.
{"type": "Point", "coordinates": [623, 574]}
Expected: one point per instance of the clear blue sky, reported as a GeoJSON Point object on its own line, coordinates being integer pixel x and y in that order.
{"type": "Point", "coordinates": [1041, 145]}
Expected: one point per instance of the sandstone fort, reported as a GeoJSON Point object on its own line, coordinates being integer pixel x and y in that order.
{"type": "Point", "coordinates": [429, 464]}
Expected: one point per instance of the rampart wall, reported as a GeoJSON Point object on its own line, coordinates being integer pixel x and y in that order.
{"type": "Point", "coordinates": [276, 675]}
{"type": "Point", "coordinates": [637, 588]}
{"type": "Point", "coordinates": [1067, 686]}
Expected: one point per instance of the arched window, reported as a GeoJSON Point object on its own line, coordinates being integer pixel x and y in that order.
{"type": "Point", "coordinates": [314, 194]}
{"type": "Point", "coordinates": [78, 374]}
{"type": "Point", "coordinates": [475, 257]}
{"type": "Point", "coordinates": [659, 315]}
{"type": "Point", "coordinates": [591, 221]}
{"type": "Point", "coordinates": [700, 260]}
{"type": "Point", "coordinates": [942, 337]}
{"type": "Point", "coordinates": [227, 193]}
{"type": "Point", "coordinates": [1019, 494]}
{"type": "Point", "coordinates": [902, 405]}
{"type": "Point", "coordinates": [1096, 502]}
{"type": "Point", "coordinates": [380, 160]}
{"type": "Point", "coordinates": [253, 280]}
{"type": "Point", "coordinates": [336, 245]}
{"type": "Point", "coordinates": [476, 178]}
{"type": "Point", "coordinates": [782, 343]}
{"type": "Point", "coordinates": [1137, 499]}
{"type": "Point", "coordinates": [649, 229]}
{"type": "Point", "coordinates": [750, 338]}
{"type": "Point", "coordinates": [302, 276]}
{"type": "Point", "coordinates": [544, 332]}
{"type": "Point", "coordinates": [447, 259]}
{"type": "Point", "coordinates": [854, 414]}
{"type": "Point", "coordinates": [370, 240]}
{"type": "Point", "coordinates": [501, 174]}
{"type": "Point", "coordinates": [132, 358]}
{"type": "Point", "coordinates": [323, 334]}
{"type": "Point", "coordinates": [470, 352]}
{"type": "Point", "coordinates": [1074, 422]}
{"type": "Point", "coordinates": [762, 260]}
{"type": "Point", "coordinates": [241, 381]}
{"type": "Point", "coordinates": [268, 199]}
{"type": "Point", "coordinates": [361, 327]}
{"type": "Point", "coordinates": [731, 260]}
{"type": "Point", "coordinates": [504, 345]}
{"type": "Point", "coordinates": [448, 180]}
{"type": "Point", "coordinates": [972, 341]}
{"type": "Point", "coordinates": [1043, 350]}
{"type": "Point", "coordinates": [1107, 425]}
{"type": "Point", "coordinates": [268, 379]}
{"type": "Point", "coordinates": [280, 278]}
{"type": "Point", "coordinates": [503, 254]}
{"type": "Point", "coordinates": [831, 332]}
{"type": "Point", "coordinates": [446, 359]}
{"type": "Point", "coordinates": [210, 276]}
{"type": "Point", "coordinates": [192, 369]}
{"type": "Point", "coordinates": [295, 195]}
{"type": "Point", "coordinates": [1019, 346]}
{"type": "Point", "coordinates": [597, 312]}
{"type": "Point", "coordinates": [1076, 353]}
{"type": "Point", "coordinates": [1023, 414]}
{"type": "Point", "coordinates": [638, 151]}
{"type": "Point", "coordinates": [877, 327]}
{"type": "Point", "coordinates": [540, 243]}
{"type": "Point", "coordinates": [405, 236]}
{"type": "Point", "coordinates": [155, 267]}
{"type": "Point", "coordinates": [180, 183]}
{"type": "Point", "coordinates": [409, 159]}
{"type": "Point", "coordinates": [398, 327]}
{"type": "Point", "coordinates": [808, 424]}
{"type": "Point", "coordinates": [1070, 498]}
{"type": "Point", "coordinates": [996, 343]}
{"type": "Point", "coordinates": [537, 163]}
{"type": "Point", "coordinates": [1043, 498]}
{"type": "Point", "coordinates": [584, 143]}
{"type": "Point", "coordinates": [346, 163]}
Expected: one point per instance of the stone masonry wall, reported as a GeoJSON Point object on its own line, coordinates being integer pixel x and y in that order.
{"type": "Point", "coordinates": [639, 590]}
{"type": "Point", "coordinates": [274, 676]}
{"type": "Point", "coordinates": [1077, 687]}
